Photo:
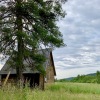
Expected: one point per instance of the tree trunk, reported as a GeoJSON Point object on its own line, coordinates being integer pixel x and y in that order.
{"type": "Point", "coordinates": [19, 67]}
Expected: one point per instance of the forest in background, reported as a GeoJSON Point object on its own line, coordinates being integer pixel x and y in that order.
{"type": "Point", "coordinates": [90, 78]}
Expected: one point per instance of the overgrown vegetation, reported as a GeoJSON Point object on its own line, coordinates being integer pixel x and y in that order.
{"type": "Point", "coordinates": [57, 91]}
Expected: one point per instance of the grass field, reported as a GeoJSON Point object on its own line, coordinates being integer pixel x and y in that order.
{"type": "Point", "coordinates": [56, 91]}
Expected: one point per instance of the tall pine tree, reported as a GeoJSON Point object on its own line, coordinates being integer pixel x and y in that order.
{"type": "Point", "coordinates": [26, 26]}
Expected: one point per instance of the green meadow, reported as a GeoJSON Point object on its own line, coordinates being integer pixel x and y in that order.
{"type": "Point", "coordinates": [56, 91]}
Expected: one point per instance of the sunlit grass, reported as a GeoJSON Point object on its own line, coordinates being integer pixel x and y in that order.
{"type": "Point", "coordinates": [56, 91]}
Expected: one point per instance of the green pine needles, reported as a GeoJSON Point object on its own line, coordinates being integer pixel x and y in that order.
{"type": "Point", "coordinates": [28, 25]}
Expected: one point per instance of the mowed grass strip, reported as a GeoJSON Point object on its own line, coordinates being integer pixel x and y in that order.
{"type": "Point", "coordinates": [56, 91]}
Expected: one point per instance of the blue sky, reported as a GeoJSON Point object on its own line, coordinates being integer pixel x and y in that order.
{"type": "Point", "coordinates": [81, 33]}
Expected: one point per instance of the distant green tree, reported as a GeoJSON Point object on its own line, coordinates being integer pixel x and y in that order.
{"type": "Point", "coordinates": [98, 76]}
{"type": "Point", "coordinates": [78, 76]}
{"type": "Point", "coordinates": [26, 26]}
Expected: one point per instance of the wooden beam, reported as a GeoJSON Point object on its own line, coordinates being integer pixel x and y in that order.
{"type": "Point", "coordinates": [6, 78]}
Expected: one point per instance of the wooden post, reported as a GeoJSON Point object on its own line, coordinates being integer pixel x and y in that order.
{"type": "Point", "coordinates": [6, 78]}
{"type": "Point", "coordinates": [41, 83]}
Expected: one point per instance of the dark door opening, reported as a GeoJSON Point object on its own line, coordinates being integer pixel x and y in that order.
{"type": "Point", "coordinates": [36, 79]}
{"type": "Point", "coordinates": [33, 79]}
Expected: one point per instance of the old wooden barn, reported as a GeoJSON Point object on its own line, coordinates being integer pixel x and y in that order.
{"type": "Point", "coordinates": [35, 78]}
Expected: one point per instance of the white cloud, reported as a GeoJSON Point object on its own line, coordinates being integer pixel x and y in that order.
{"type": "Point", "coordinates": [81, 33]}
{"type": "Point", "coordinates": [85, 48]}
{"type": "Point", "coordinates": [73, 37]}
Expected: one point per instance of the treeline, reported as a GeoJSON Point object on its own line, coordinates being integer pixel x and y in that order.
{"type": "Point", "coordinates": [91, 78]}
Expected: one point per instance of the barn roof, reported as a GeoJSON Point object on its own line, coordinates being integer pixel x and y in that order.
{"type": "Point", "coordinates": [46, 52]}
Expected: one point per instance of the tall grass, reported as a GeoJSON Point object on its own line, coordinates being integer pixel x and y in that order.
{"type": "Point", "coordinates": [56, 91]}
{"type": "Point", "coordinates": [76, 87]}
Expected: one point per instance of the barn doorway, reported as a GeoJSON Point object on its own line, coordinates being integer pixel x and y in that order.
{"type": "Point", "coordinates": [33, 79]}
